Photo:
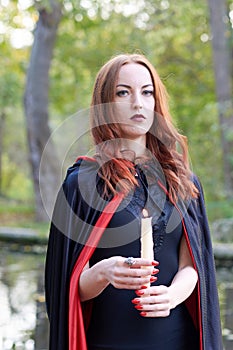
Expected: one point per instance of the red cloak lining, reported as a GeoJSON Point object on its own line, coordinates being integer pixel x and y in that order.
{"type": "Point", "coordinates": [77, 337]}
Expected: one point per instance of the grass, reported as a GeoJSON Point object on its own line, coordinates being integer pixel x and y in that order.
{"type": "Point", "coordinates": [14, 213]}
{"type": "Point", "coordinates": [222, 209]}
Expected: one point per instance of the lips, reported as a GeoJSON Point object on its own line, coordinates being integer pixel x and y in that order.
{"type": "Point", "coordinates": [138, 117]}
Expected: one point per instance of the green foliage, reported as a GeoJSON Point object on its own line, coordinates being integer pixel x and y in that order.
{"type": "Point", "coordinates": [175, 37]}
{"type": "Point", "coordinates": [220, 209]}
{"type": "Point", "coordinates": [17, 181]}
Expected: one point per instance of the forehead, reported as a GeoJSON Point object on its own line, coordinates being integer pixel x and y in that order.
{"type": "Point", "coordinates": [134, 74]}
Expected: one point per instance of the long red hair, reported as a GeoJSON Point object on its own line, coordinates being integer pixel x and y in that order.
{"type": "Point", "coordinates": [163, 140]}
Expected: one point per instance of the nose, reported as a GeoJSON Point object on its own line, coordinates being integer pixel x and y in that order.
{"type": "Point", "coordinates": [137, 101]}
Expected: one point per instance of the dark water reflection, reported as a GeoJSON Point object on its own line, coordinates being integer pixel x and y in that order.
{"type": "Point", "coordinates": [225, 287]}
{"type": "Point", "coordinates": [21, 299]}
{"type": "Point", "coordinates": [23, 321]}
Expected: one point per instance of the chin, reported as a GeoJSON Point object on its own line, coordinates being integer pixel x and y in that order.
{"type": "Point", "coordinates": [133, 131]}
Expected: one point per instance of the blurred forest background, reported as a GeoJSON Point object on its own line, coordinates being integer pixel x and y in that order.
{"type": "Point", "coordinates": [50, 52]}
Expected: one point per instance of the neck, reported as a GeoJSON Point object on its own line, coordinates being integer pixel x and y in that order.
{"type": "Point", "coordinates": [137, 147]}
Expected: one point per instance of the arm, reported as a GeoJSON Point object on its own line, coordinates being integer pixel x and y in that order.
{"type": "Point", "coordinates": [157, 301]}
{"type": "Point", "coordinates": [88, 289]}
{"type": "Point", "coordinates": [95, 279]}
{"type": "Point", "coordinates": [186, 278]}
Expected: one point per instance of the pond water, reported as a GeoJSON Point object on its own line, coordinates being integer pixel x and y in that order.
{"type": "Point", "coordinates": [23, 320]}
{"type": "Point", "coordinates": [22, 315]}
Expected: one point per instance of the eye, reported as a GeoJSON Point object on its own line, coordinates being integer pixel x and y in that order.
{"type": "Point", "coordinates": [148, 92]}
{"type": "Point", "coordinates": [122, 93]}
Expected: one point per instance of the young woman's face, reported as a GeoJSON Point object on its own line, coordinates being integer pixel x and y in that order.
{"type": "Point", "coordinates": [135, 101]}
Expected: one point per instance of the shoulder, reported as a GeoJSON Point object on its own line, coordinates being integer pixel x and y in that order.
{"type": "Point", "coordinates": [199, 203]}
{"type": "Point", "coordinates": [195, 179]}
{"type": "Point", "coordinates": [197, 182]}
{"type": "Point", "coordinates": [83, 169]}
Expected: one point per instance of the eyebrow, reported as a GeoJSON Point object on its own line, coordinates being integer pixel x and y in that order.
{"type": "Point", "coordinates": [129, 87]}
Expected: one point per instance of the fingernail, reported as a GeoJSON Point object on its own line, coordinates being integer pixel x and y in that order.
{"type": "Point", "coordinates": [139, 292]}
{"type": "Point", "coordinates": [153, 279]}
{"type": "Point", "coordinates": [144, 287]}
{"type": "Point", "coordinates": [138, 307]}
{"type": "Point", "coordinates": [135, 301]}
{"type": "Point", "coordinates": [155, 271]}
{"type": "Point", "coordinates": [143, 313]}
{"type": "Point", "coordinates": [155, 263]}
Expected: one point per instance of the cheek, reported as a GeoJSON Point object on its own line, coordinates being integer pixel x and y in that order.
{"type": "Point", "coordinates": [149, 109]}
{"type": "Point", "coordinates": [151, 116]}
{"type": "Point", "coordinates": [121, 110]}
{"type": "Point", "coordinates": [152, 104]}
{"type": "Point", "coordinates": [149, 106]}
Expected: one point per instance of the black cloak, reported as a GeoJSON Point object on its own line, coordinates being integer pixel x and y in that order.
{"type": "Point", "coordinates": [79, 219]}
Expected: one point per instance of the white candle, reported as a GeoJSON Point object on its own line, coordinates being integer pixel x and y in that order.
{"type": "Point", "coordinates": [147, 244]}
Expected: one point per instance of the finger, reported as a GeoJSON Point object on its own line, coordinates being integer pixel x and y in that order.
{"type": "Point", "coordinates": [137, 262]}
{"type": "Point", "coordinates": [144, 291]}
{"type": "Point", "coordinates": [123, 285]}
{"type": "Point", "coordinates": [146, 262]}
{"type": "Point", "coordinates": [133, 273]}
{"type": "Point", "coordinates": [157, 290]}
{"type": "Point", "coordinates": [164, 313]}
{"type": "Point", "coordinates": [135, 270]}
{"type": "Point", "coordinates": [150, 297]}
{"type": "Point", "coordinates": [151, 300]}
{"type": "Point", "coordinates": [155, 307]}
{"type": "Point", "coordinates": [142, 272]}
{"type": "Point", "coordinates": [151, 303]}
{"type": "Point", "coordinates": [160, 299]}
{"type": "Point", "coordinates": [138, 283]}
{"type": "Point", "coordinates": [160, 310]}
{"type": "Point", "coordinates": [133, 282]}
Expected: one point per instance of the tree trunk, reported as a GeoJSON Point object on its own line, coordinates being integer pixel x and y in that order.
{"type": "Point", "coordinates": [36, 108]}
{"type": "Point", "coordinates": [223, 76]}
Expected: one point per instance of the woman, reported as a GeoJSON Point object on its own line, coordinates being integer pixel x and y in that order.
{"type": "Point", "coordinates": [100, 293]}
